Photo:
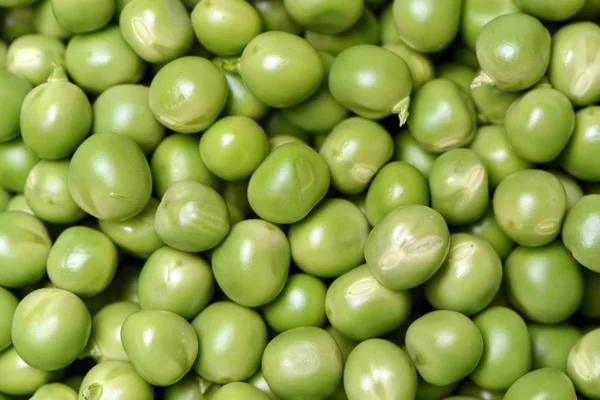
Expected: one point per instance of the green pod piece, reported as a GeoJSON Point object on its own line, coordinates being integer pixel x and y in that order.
{"type": "Point", "coordinates": [17, 378]}
{"type": "Point", "coordinates": [579, 156]}
{"type": "Point", "coordinates": [83, 16]}
{"type": "Point", "coordinates": [110, 377]}
{"type": "Point", "coordinates": [427, 26]}
{"type": "Point", "coordinates": [580, 233]}
{"type": "Point", "coordinates": [551, 345]}
{"type": "Point", "coordinates": [275, 17]}
{"type": "Point", "coordinates": [34, 56]}
{"type": "Point", "coordinates": [13, 90]}
{"type": "Point", "coordinates": [45, 21]}
{"type": "Point", "coordinates": [8, 305]}
{"type": "Point", "coordinates": [56, 117]}
{"type": "Point", "coordinates": [477, 13]}
{"type": "Point", "coordinates": [332, 16]}
{"type": "Point", "coordinates": [547, 383]}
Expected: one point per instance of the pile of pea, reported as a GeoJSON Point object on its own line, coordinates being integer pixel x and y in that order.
{"type": "Point", "coordinates": [299, 199]}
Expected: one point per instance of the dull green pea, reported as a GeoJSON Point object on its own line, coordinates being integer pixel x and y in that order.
{"type": "Point", "coordinates": [83, 16]}
{"type": "Point", "coordinates": [548, 383]}
{"type": "Point", "coordinates": [461, 74]}
{"type": "Point", "coordinates": [239, 391]}
{"type": "Point", "coordinates": [333, 16]}
{"type": "Point", "coordinates": [54, 391]}
{"type": "Point", "coordinates": [572, 187]}
{"type": "Point", "coordinates": [488, 229]}
{"type": "Point", "coordinates": [477, 13]}
{"type": "Point", "coordinates": [17, 378]}
{"type": "Point", "coordinates": [420, 65]}
{"type": "Point", "coordinates": [16, 22]}
{"type": "Point", "coordinates": [19, 203]}
{"type": "Point", "coordinates": [8, 305]}
{"type": "Point", "coordinates": [469, 388]}
{"type": "Point", "coordinates": [258, 381]}
{"type": "Point", "coordinates": [579, 233]}
{"type": "Point", "coordinates": [552, 344]}
{"type": "Point", "coordinates": [407, 149]}
{"type": "Point", "coordinates": [275, 124]}
{"type": "Point", "coordinates": [275, 17]}
{"type": "Point", "coordinates": [492, 103]}
{"type": "Point", "coordinates": [13, 92]}
{"type": "Point", "coordinates": [45, 21]}
{"type": "Point", "coordinates": [578, 158]}
{"type": "Point", "coordinates": [110, 378]}
{"type": "Point", "coordinates": [16, 161]}
{"type": "Point", "coordinates": [191, 387]}
{"type": "Point", "coordinates": [5, 197]}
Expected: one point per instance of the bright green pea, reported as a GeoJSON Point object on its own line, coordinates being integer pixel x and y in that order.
{"type": "Point", "coordinates": [191, 217]}
{"type": "Point", "coordinates": [110, 377]}
{"type": "Point", "coordinates": [231, 341]}
{"type": "Point", "coordinates": [19, 203]}
{"type": "Point", "coordinates": [26, 245]}
{"type": "Point", "coordinates": [45, 21]}
{"type": "Point", "coordinates": [239, 391]}
{"type": "Point", "coordinates": [360, 307]}
{"type": "Point", "coordinates": [56, 117]}
{"type": "Point", "coordinates": [8, 305]}
{"type": "Point", "coordinates": [551, 345]}
{"type": "Point", "coordinates": [258, 381]}
{"type": "Point", "coordinates": [13, 91]}
{"type": "Point", "coordinates": [233, 147]}
{"type": "Point", "coordinates": [427, 26]}
{"type": "Point", "coordinates": [580, 233]}
{"type": "Point", "coordinates": [477, 13]}
{"type": "Point", "coordinates": [157, 30]}
{"type": "Point", "coordinates": [275, 17]}
{"type": "Point", "coordinates": [332, 16]}
{"type": "Point", "coordinates": [491, 102]}
{"type": "Point", "coordinates": [529, 206]}
{"type": "Point", "coordinates": [54, 391]}
{"type": "Point", "coordinates": [420, 65]}
{"type": "Point", "coordinates": [440, 132]}
{"type": "Point", "coordinates": [50, 328]}
{"type": "Point", "coordinates": [252, 263]}
{"type": "Point", "coordinates": [488, 229]}
{"type": "Point", "coordinates": [579, 156]}
{"type": "Point", "coordinates": [19, 378]}
{"type": "Point", "coordinates": [506, 348]}
{"type": "Point", "coordinates": [300, 303]}
{"type": "Point", "coordinates": [83, 16]}
{"type": "Point", "coordinates": [180, 86]}
{"type": "Point", "coordinates": [547, 383]}
{"type": "Point", "coordinates": [582, 364]}
{"type": "Point", "coordinates": [225, 27]}
{"type": "Point", "coordinates": [556, 11]}
{"type": "Point", "coordinates": [379, 369]}
{"type": "Point", "coordinates": [96, 181]}
{"type": "Point", "coordinates": [302, 363]}
{"type": "Point", "coordinates": [34, 56]}
{"type": "Point", "coordinates": [191, 387]}
{"type": "Point", "coordinates": [493, 148]}
{"type": "Point", "coordinates": [95, 266]}
{"type": "Point", "coordinates": [175, 281]}
{"type": "Point", "coordinates": [407, 149]}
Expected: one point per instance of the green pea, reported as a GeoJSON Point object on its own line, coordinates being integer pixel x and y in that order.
{"type": "Point", "coordinates": [477, 13]}
{"type": "Point", "coordinates": [19, 378]}
{"type": "Point", "coordinates": [488, 229]}
{"type": "Point", "coordinates": [578, 158]}
{"type": "Point", "coordinates": [233, 147]}
{"type": "Point", "coordinates": [551, 345]}
{"type": "Point", "coordinates": [579, 233]}
{"type": "Point", "coordinates": [300, 303]}
{"type": "Point", "coordinates": [364, 31]}
{"type": "Point", "coordinates": [302, 363]}
{"type": "Point", "coordinates": [239, 391]}
{"type": "Point", "coordinates": [427, 391]}
{"type": "Point", "coordinates": [19, 203]}
{"type": "Point", "coordinates": [360, 307]}
{"type": "Point", "coordinates": [45, 21]}
{"type": "Point", "coordinates": [420, 66]}
{"type": "Point", "coordinates": [275, 16]}
{"type": "Point", "coordinates": [56, 117]}
{"type": "Point", "coordinates": [572, 187]}
{"type": "Point", "coordinates": [191, 387]}
{"type": "Point", "coordinates": [500, 159]}
{"type": "Point", "coordinates": [377, 368]}
{"type": "Point", "coordinates": [34, 56]}
{"type": "Point", "coordinates": [529, 206]}
{"type": "Point", "coordinates": [5, 198]}
{"type": "Point", "coordinates": [182, 84]}
{"type": "Point", "coordinates": [83, 16]}
{"type": "Point", "coordinates": [288, 184]}
{"type": "Point", "coordinates": [66, 324]}
{"type": "Point", "coordinates": [258, 381]}
{"type": "Point", "coordinates": [440, 132]}
{"type": "Point", "coordinates": [333, 16]}
{"type": "Point", "coordinates": [276, 124]}
{"type": "Point", "coordinates": [26, 245]}
{"type": "Point", "coordinates": [16, 22]}
{"type": "Point", "coordinates": [74, 382]}
{"type": "Point", "coordinates": [469, 388]}
{"type": "Point", "coordinates": [157, 30]}
{"type": "Point", "coordinates": [105, 338]}
{"type": "Point", "coordinates": [96, 181]}
{"type": "Point", "coordinates": [354, 151]}
{"type": "Point", "coordinates": [109, 377]}
{"type": "Point", "coordinates": [95, 266]}
{"type": "Point", "coordinates": [407, 149]}
{"type": "Point", "coordinates": [513, 51]}
{"type": "Point", "coordinates": [301, 74]}
{"type": "Point", "coordinates": [47, 193]}
{"type": "Point", "coordinates": [461, 74]}
{"type": "Point", "coordinates": [225, 27]}
{"type": "Point", "coordinates": [436, 344]}
{"type": "Point", "coordinates": [175, 281]}
{"type": "Point", "coordinates": [13, 92]}
{"type": "Point", "coordinates": [427, 26]}
{"type": "Point", "coordinates": [54, 391]}
{"type": "Point", "coordinates": [582, 364]}
{"type": "Point", "coordinates": [506, 348]}
{"type": "Point", "coordinates": [231, 340]}
{"type": "Point", "coordinates": [8, 305]}
{"type": "Point", "coordinates": [546, 383]}
{"type": "Point", "coordinates": [125, 283]}
{"type": "Point", "coordinates": [388, 32]}
{"type": "Point", "coordinates": [492, 103]}
{"type": "Point", "coordinates": [557, 11]}
{"type": "Point", "coordinates": [192, 217]}
{"type": "Point", "coordinates": [235, 193]}
{"type": "Point", "coordinates": [590, 306]}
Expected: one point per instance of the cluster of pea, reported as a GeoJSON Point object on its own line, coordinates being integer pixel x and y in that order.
{"type": "Point", "coordinates": [299, 199]}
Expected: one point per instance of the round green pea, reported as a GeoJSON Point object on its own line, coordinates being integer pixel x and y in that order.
{"type": "Point", "coordinates": [427, 26]}
{"type": "Point", "coordinates": [376, 369]}
{"type": "Point", "coordinates": [492, 103]}
{"type": "Point", "coordinates": [136, 235]}
{"type": "Point", "coordinates": [288, 184]}
{"type": "Point", "coordinates": [551, 345]}
{"type": "Point", "coordinates": [445, 346]}
{"type": "Point", "coordinates": [188, 94]}
{"type": "Point", "coordinates": [50, 328]}
{"type": "Point", "coordinates": [13, 90]}
{"type": "Point", "coordinates": [580, 233]}
{"type": "Point", "coordinates": [83, 16]}
{"type": "Point", "coordinates": [275, 17]}
{"type": "Point", "coordinates": [161, 345]}
{"type": "Point", "coordinates": [506, 348]}
{"type": "Point", "coordinates": [175, 281]}
{"type": "Point", "coordinates": [332, 16]}
{"type": "Point", "coordinates": [233, 147]}
{"type": "Point", "coordinates": [231, 341]}
{"type": "Point", "coordinates": [82, 261]}
{"type": "Point", "coordinates": [8, 305]}
{"type": "Point", "coordinates": [388, 33]}
{"type": "Point", "coordinates": [547, 383]}
{"type": "Point", "coordinates": [300, 303]}
{"type": "Point", "coordinates": [54, 391]}
{"type": "Point", "coordinates": [47, 193]}
{"type": "Point", "coordinates": [458, 183]}
{"type": "Point", "coordinates": [590, 305]}
{"type": "Point", "coordinates": [56, 117]}
{"type": "Point", "coordinates": [16, 161]}
{"type": "Point", "coordinates": [97, 183]}
{"type": "Point", "coordinates": [19, 378]}
{"type": "Point", "coordinates": [513, 51]}
{"type": "Point", "coordinates": [258, 381]}
{"type": "Point", "coordinates": [493, 147]}
{"type": "Point", "coordinates": [461, 74]}
{"type": "Point", "coordinates": [579, 156]}
{"type": "Point", "coordinates": [16, 22]}
{"type": "Point", "coordinates": [556, 11]}
{"type": "Point", "coordinates": [488, 229]}
{"type": "Point", "coordinates": [469, 388]}
{"type": "Point", "coordinates": [239, 391]}
{"type": "Point", "coordinates": [19, 203]}
{"type": "Point", "coordinates": [125, 283]}
{"type": "Point", "coordinates": [114, 378]}
{"type": "Point", "coordinates": [386, 92]}
{"type": "Point", "coordinates": [45, 21]}
{"type": "Point", "coordinates": [572, 187]}
{"type": "Point", "coordinates": [275, 60]}
{"type": "Point", "coordinates": [26, 244]}
{"type": "Point", "coordinates": [177, 158]}
{"type": "Point", "coordinates": [105, 339]}
{"type": "Point", "coordinates": [582, 364]}
{"type": "Point", "coordinates": [529, 206]}
{"type": "Point", "coordinates": [34, 56]}
{"type": "Point", "coordinates": [360, 307]}
{"type": "Point", "coordinates": [302, 362]}
{"type": "Point", "coordinates": [191, 387]}
{"type": "Point", "coordinates": [440, 132]}
{"type": "Point", "coordinates": [354, 151]}
{"type": "Point", "coordinates": [225, 27]}
{"type": "Point", "coordinates": [407, 149]}
{"type": "Point", "coordinates": [251, 264]}
{"type": "Point", "coordinates": [276, 124]}
{"type": "Point", "coordinates": [477, 13]}
{"type": "Point", "coordinates": [420, 65]}
{"type": "Point", "coordinates": [157, 30]}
